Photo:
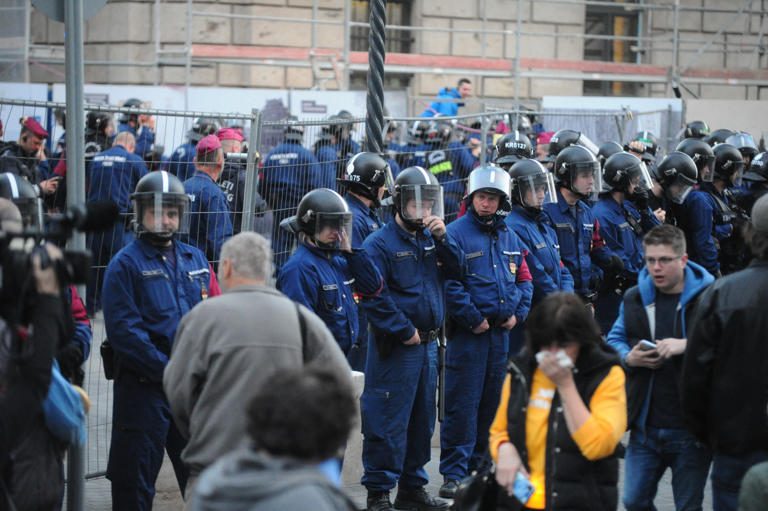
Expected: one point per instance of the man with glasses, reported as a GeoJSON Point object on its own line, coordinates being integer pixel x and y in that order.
{"type": "Point", "coordinates": [650, 337]}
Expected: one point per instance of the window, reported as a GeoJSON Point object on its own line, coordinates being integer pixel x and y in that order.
{"type": "Point", "coordinates": [609, 20]}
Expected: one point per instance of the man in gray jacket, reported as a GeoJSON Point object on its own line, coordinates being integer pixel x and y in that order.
{"type": "Point", "coordinates": [228, 346]}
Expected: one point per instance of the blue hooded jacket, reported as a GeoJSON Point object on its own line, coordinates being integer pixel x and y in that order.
{"type": "Point", "coordinates": [444, 109]}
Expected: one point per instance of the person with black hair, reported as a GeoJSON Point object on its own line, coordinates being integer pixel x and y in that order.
{"type": "Point", "coordinates": [296, 435]}
{"type": "Point", "coordinates": [562, 413]}
{"type": "Point", "coordinates": [448, 100]}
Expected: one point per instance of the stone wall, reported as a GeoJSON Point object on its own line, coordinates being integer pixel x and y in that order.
{"type": "Point", "coordinates": [122, 32]}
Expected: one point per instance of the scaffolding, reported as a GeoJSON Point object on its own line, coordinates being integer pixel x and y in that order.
{"type": "Point", "coordinates": [647, 44]}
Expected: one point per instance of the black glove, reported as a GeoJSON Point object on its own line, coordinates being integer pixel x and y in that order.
{"type": "Point", "coordinates": [70, 358]}
{"type": "Point", "coordinates": [614, 266]}
{"type": "Point", "coordinates": [640, 199]}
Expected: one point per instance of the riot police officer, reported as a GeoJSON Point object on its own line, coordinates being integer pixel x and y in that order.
{"type": "Point", "coordinates": [702, 155]}
{"type": "Point", "coordinates": [607, 150]}
{"type": "Point", "coordinates": [414, 254]}
{"type": "Point", "coordinates": [719, 136]}
{"type": "Point", "coordinates": [181, 162]}
{"type": "Point", "coordinates": [566, 138]}
{"type": "Point", "coordinates": [448, 165]}
{"type": "Point", "coordinates": [512, 148]}
{"type": "Point", "coordinates": [325, 272]}
{"type": "Point", "coordinates": [141, 126]}
{"type": "Point", "coordinates": [290, 172]}
{"type": "Point", "coordinates": [366, 179]}
{"type": "Point", "coordinates": [112, 175]}
{"type": "Point", "coordinates": [696, 129]}
{"type": "Point", "coordinates": [578, 176]}
{"type": "Point", "coordinates": [677, 175]}
{"type": "Point", "coordinates": [746, 145]}
{"type": "Point", "coordinates": [493, 297]}
{"type": "Point", "coordinates": [622, 226]}
{"type": "Point", "coordinates": [148, 287]}
{"type": "Point", "coordinates": [757, 178]}
{"type": "Point", "coordinates": [532, 187]}
{"type": "Point", "coordinates": [99, 131]}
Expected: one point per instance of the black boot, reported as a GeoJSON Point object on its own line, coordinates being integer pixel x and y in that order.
{"type": "Point", "coordinates": [378, 501]}
{"type": "Point", "coordinates": [417, 499]}
{"type": "Point", "coordinates": [448, 489]}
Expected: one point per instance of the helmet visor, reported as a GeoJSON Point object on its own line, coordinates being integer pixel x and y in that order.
{"type": "Point", "coordinates": [160, 213]}
{"type": "Point", "coordinates": [333, 231]}
{"type": "Point", "coordinates": [535, 191]}
{"type": "Point", "coordinates": [706, 166]}
{"type": "Point", "coordinates": [678, 191]}
{"type": "Point", "coordinates": [743, 141]}
{"type": "Point", "coordinates": [585, 141]}
{"type": "Point", "coordinates": [586, 177]}
{"type": "Point", "coordinates": [737, 172]}
{"type": "Point", "coordinates": [641, 178]}
{"type": "Point", "coordinates": [418, 202]}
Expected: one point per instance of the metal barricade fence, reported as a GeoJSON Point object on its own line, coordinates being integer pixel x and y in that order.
{"type": "Point", "coordinates": [293, 157]}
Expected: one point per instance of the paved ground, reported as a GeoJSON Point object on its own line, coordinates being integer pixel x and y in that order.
{"type": "Point", "coordinates": [97, 495]}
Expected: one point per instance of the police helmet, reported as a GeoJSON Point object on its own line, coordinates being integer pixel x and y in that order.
{"type": "Point", "coordinates": [623, 170]}
{"type": "Point", "coordinates": [493, 180]}
{"type": "Point", "coordinates": [677, 175]}
{"type": "Point", "coordinates": [97, 122]}
{"type": "Point", "coordinates": [417, 132]}
{"type": "Point", "coordinates": [696, 129]}
{"type": "Point", "coordinates": [324, 216]}
{"type": "Point", "coordinates": [19, 191]}
{"type": "Point", "coordinates": [156, 193]}
{"type": "Point", "coordinates": [729, 164]}
{"type": "Point", "coordinates": [438, 133]}
{"type": "Point", "coordinates": [366, 174]}
{"type": "Point", "coordinates": [650, 141]}
{"type": "Point", "coordinates": [574, 162]}
{"type": "Point", "coordinates": [128, 117]}
{"type": "Point", "coordinates": [607, 150]}
{"type": "Point", "coordinates": [744, 143]}
{"type": "Point", "coordinates": [566, 138]}
{"type": "Point", "coordinates": [532, 185]}
{"type": "Point", "coordinates": [293, 132]}
{"type": "Point", "coordinates": [758, 169]}
{"type": "Point", "coordinates": [719, 136]}
{"type": "Point", "coordinates": [203, 127]}
{"type": "Point", "coordinates": [702, 156]}
{"type": "Point", "coordinates": [511, 148]}
{"type": "Point", "coordinates": [417, 185]}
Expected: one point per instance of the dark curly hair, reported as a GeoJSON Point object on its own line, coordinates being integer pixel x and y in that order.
{"type": "Point", "coordinates": [561, 318]}
{"type": "Point", "coordinates": [304, 413]}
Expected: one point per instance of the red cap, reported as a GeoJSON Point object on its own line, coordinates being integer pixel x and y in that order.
{"type": "Point", "coordinates": [230, 134]}
{"type": "Point", "coordinates": [208, 144]}
{"type": "Point", "coordinates": [34, 126]}
{"type": "Point", "coordinates": [545, 137]}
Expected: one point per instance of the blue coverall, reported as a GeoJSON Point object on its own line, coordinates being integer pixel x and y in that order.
{"type": "Point", "coordinates": [290, 172]}
{"type": "Point", "coordinates": [145, 137]}
{"type": "Point", "coordinates": [210, 223]}
{"type": "Point", "coordinates": [365, 221]}
{"type": "Point", "coordinates": [326, 282]}
{"type": "Point", "coordinates": [451, 170]}
{"type": "Point", "coordinates": [705, 226]}
{"type": "Point", "coordinates": [112, 175]}
{"type": "Point", "coordinates": [622, 227]}
{"type": "Point", "coordinates": [146, 292]}
{"type": "Point", "coordinates": [497, 286]}
{"type": "Point", "coordinates": [398, 404]}
{"type": "Point", "coordinates": [580, 243]}
{"type": "Point", "coordinates": [181, 163]}
{"type": "Point", "coordinates": [328, 159]}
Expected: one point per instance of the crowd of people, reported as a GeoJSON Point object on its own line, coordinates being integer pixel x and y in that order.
{"type": "Point", "coordinates": [561, 294]}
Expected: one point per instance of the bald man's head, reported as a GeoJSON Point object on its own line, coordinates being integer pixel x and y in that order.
{"type": "Point", "coordinates": [127, 140]}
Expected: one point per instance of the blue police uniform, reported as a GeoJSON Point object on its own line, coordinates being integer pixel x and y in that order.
{"type": "Point", "coordinates": [145, 138]}
{"type": "Point", "coordinates": [146, 292]}
{"type": "Point", "coordinates": [544, 262]}
{"type": "Point", "coordinates": [365, 221]}
{"type": "Point", "coordinates": [325, 282]}
{"type": "Point", "coordinates": [290, 172]}
{"type": "Point", "coordinates": [496, 287]}
{"type": "Point", "coordinates": [705, 224]}
{"type": "Point", "coordinates": [578, 234]}
{"type": "Point", "coordinates": [112, 175]}
{"type": "Point", "coordinates": [446, 167]}
{"type": "Point", "coordinates": [181, 163]}
{"type": "Point", "coordinates": [210, 224]}
{"type": "Point", "coordinates": [622, 227]}
{"type": "Point", "coordinates": [398, 404]}
{"type": "Point", "coordinates": [413, 155]}
{"type": "Point", "coordinates": [328, 159]}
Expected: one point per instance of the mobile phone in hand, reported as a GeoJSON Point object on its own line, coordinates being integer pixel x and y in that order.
{"type": "Point", "coordinates": [647, 345]}
{"type": "Point", "coordinates": [523, 489]}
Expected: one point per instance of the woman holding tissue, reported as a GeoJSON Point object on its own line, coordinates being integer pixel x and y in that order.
{"type": "Point", "coordinates": [562, 413]}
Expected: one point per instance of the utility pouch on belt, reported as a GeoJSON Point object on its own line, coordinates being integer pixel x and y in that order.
{"type": "Point", "coordinates": [107, 359]}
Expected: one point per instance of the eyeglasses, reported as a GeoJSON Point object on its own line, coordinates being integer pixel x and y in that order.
{"type": "Point", "coordinates": [651, 261]}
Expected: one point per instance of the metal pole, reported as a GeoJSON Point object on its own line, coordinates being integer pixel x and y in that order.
{"type": "Point", "coordinates": [347, 42]}
{"type": "Point", "coordinates": [75, 193]}
{"type": "Point", "coordinates": [188, 63]}
{"type": "Point", "coordinates": [484, 139]}
{"type": "Point", "coordinates": [313, 43]}
{"type": "Point", "coordinates": [676, 44]}
{"type": "Point", "coordinates": [251, 173]}
{"type": "Point", "coordinates": [518, 28]}
{"type": "Point", "coordinates": [374, 121]}
{"type": "Point", "coordinates": [483, 36]}
{"type": "Point", "coordinates": [156, 30]}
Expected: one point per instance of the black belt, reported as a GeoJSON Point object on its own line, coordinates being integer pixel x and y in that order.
{"type": "Point", "coordinates": [428, 336]}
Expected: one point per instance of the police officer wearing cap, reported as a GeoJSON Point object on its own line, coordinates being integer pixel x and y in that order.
{"type": "Point", "coordinates": [705, 215]}
{"type": "Point", "coordinates": [181, 163]}
{"type": "Point", "coordinates": [414, 254]}
{"type": "Point", "coordinates": [493, 297]}
{"type": "Point", "coordinates": [622, 226]}
{"type": "Point", "coordinates": [367, 178]}
{"type": "Point", "coordinates": [27, 158]}
{"type": "Point", "coordinates": [148, 287]}
{"type": "Point", "coordinates": [112, 175]}
{"type": "Point", "coordinates": [532, 186]}
{"type": "Point", "coordinates": [578, 176]}
{"type": "Point", "coordinates": [290, 172]}
{"type": "Point", "coordinates": [210, 223]}
{"type": "Point", "coordinates": [325, 272]}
